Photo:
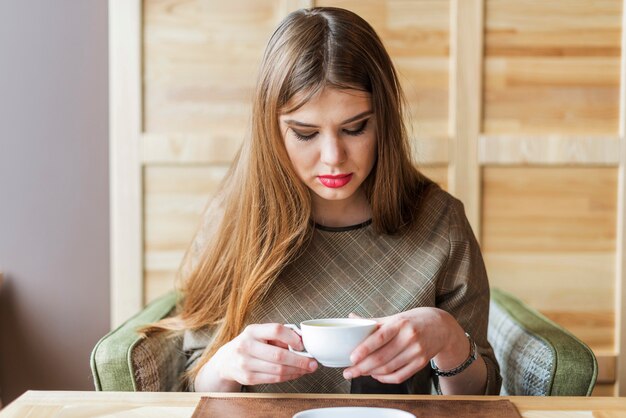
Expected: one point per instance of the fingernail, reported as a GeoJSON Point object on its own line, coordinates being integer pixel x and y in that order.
{"type": "Point", "coordinates": [312, 365]}
{"type": "Point", "coordinates": [347, 375]}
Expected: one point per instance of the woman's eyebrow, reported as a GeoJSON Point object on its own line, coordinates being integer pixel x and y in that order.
{"type": "Point", "coordinates": [352, 119]}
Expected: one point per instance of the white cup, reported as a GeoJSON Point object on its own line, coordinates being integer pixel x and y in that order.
{"type": "Point", "coordinates": [331, 341]}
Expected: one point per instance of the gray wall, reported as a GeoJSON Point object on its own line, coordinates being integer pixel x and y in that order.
{"type": "Point", "coordinates": [54, 192]}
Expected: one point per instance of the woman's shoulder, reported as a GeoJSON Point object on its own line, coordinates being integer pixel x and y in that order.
{"type": "Point", "coordinates": [433, 197]}
{"type": "Point", "coordinates": [439, 209]}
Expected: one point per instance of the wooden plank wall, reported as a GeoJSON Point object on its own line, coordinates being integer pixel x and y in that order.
{"type": "Point", "coordinates": [549, 141]}
{"type": "Point", "coordinates": [514, 108]}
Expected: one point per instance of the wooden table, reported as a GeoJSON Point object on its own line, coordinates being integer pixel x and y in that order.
{"type": "Point", "coordinates": [35, 404]}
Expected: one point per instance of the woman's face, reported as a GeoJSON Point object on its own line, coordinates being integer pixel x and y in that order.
{"type": "Point", "coordinates": [331, 142]}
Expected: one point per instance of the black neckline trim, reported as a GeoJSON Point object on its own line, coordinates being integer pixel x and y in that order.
{"type": "Point", "coordinates": [343, 228]}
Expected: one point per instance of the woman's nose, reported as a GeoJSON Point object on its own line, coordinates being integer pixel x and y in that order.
{"type": "Point", "coordinates": [332, 152]}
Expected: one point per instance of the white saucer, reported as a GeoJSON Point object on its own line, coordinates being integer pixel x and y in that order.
{"type": "Point", "coordinates": [351, 412]}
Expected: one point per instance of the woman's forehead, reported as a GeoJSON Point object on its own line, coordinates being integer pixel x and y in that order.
{"type": "Point", "coordinates": [329, 99]}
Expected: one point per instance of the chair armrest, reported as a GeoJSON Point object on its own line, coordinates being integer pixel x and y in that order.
{"type": "Point", "coordinates": [112, 359]}
{"type": "Point", "coordinates": [572, 368]}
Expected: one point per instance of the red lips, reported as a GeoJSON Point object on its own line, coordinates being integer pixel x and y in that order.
{"type": "Point", "coordinates": [335, 181]}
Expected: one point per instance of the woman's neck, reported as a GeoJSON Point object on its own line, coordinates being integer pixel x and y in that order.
{"type": "Point", "coordinates": [338, 213]}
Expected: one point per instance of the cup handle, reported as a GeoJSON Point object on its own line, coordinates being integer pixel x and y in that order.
{"type": "Point", "coordinates": [297, 331]}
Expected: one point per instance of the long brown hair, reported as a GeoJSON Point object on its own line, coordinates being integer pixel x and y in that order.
{"type": "Point", "coordinates": [261, 218]}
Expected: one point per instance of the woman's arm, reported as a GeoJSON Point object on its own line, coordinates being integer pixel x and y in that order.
{"type": "Point", "coordinates": [457, 351]}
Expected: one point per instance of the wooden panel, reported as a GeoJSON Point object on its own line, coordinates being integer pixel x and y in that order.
{"type": "Point", "coordinates": [620, 268]}
{"type": "Point", "coordinates": [556, 281]}
{"type": "Point", "coordinates": [620, 265]}
{"type": "Point", "coordinates": [437, 173]}
{"type": "Point", "coordinates": [466, 99]}
{"type": "Point", "coordinates": [189, 148]}
{"type": "Point", "coordinates": [200, 62]}
{"type": "Point", "coordinates": [125, 175]}
{"type": "Point", "coordinates": [549, 238]}
{"type": "Point", "coordinates": [545, 209]}
{"type": "Point", "coordinates": [549, 149]}
{"type": "Point", "coordinates": [606, 367]}
{"type": "Point", "coordinates": [416, 35]}
{"type": "Point", "coordinates": [552, 66]}
{"type": "Point", "coordinates": [594, 327]}
{"type": "Point", "coordinates": [291, 5]}
{"type": "Point", "coordinates": [604, 389]}
{"type": "Point", "coordinates": [175, 197]}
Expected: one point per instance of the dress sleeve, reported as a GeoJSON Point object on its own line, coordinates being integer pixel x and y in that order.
{"type": "Point", "coordinates": [194, 344]}
{"type": "Point", "coordinates": [463, 290]}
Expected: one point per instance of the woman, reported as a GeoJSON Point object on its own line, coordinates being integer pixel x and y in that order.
{"type": "Point", "coordinates": [323, 215]}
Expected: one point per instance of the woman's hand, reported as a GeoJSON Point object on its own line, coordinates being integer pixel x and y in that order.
{"type": "Point", "coordinates": [404, 344]}
{"type": "Point", "coordinates": [258, 355]}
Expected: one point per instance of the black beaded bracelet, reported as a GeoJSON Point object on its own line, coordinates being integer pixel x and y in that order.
{"type": "Point", "coordinates": [473, 355]}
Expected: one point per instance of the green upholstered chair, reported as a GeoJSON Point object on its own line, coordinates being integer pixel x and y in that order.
{"type": "Point", "coordinates": [123, 360]}
{"type": "Point", "coordinates": [536, 356]}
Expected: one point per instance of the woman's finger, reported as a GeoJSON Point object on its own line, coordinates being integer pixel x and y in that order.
{"type": "Point", "coordinates": [280, 356]}
{"type": "Point", "coordinates": [278, 343]}
{"type": "Point", "coordinates": [403, 373]}
{"type": "Point", "coordinates": [261, 366]}
{"type": "Point", "coordinates": [381, 357]}
{"type": "Point", "coordinates": [376, 340]}
{"type": "Point", "coordinates": [252, 378]}
{"type": "Point", "coordinates": [275, 332]}
{"type": "Point", "coordinates": [403, 358]}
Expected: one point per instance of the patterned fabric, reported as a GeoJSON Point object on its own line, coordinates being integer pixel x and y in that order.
{"type": "Point", "coordinates": [157, 363]}
{"type": "Point", "coordinates": [435, 263]}
{"type": "Point", "coordinates": [525, 360]}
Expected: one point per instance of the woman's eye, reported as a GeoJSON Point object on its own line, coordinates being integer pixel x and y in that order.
{"type": "Point", "coordinates": [303, 137]}
{"type": "Point", "coordinates": [359, 130]}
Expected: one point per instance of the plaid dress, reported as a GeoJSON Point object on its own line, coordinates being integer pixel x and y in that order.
{"type": "Point", "coordinates": [435, 263]}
